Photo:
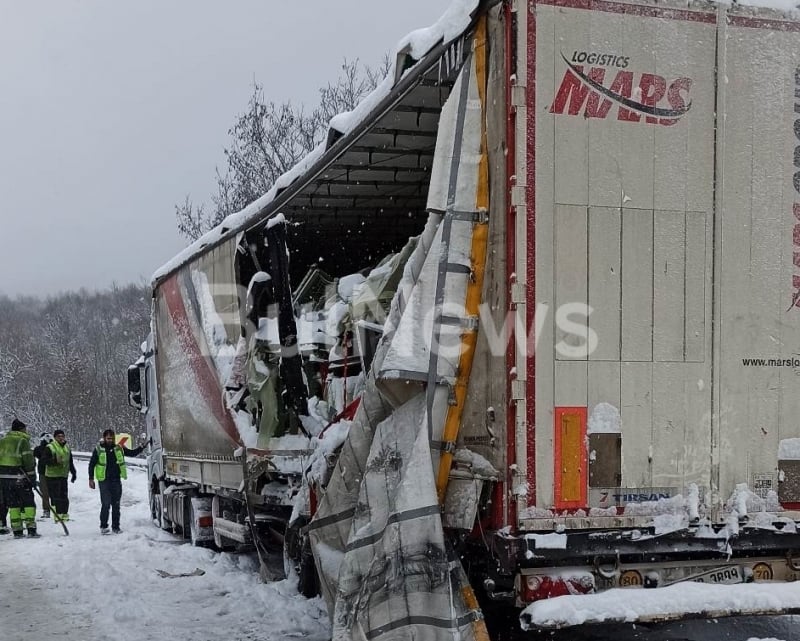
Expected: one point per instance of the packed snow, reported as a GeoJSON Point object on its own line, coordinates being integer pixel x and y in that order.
{"type": "Point", "coordinates": [91, 587]}
{"type": "Point", "coordinates": [605, 419]}
{"type": "Point", "coordinates": [618, 605]}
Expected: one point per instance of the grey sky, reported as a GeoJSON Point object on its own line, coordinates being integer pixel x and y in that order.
{"type": "Point", "coordinates": [111, 112]}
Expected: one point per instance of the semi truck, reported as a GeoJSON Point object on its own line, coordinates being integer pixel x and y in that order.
{"type": "Point", "coordinates": [524, 327]}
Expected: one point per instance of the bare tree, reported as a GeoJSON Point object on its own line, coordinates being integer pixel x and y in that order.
{"type": "Point", "coordinates": [268, 139]}
{"type": "Point", "coordinates": [192, 221]}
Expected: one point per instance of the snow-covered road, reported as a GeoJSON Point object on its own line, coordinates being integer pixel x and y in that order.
{"type": "Point", "coordinates": [90, 587]}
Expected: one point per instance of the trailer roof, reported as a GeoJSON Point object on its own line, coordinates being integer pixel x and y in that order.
{"type": "Point", "coordinates": [375, 163]}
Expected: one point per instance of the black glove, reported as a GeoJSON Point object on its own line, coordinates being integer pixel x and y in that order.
{"type": "Point", "coordinates": [73, 478]}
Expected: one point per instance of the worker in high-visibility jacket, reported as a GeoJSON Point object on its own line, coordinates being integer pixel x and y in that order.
{"type": "Point", "coordinates": [107, 465]}
{"type": "Point", "coordinates": [58, 465]}
{"type": "Point", "coordinates": [3, 507]}
{"type": "Point", "coordinates": [17, 478]}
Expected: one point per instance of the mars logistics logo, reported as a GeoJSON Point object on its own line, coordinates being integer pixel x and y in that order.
{"type": "Point", "coordinates": [635, 95]}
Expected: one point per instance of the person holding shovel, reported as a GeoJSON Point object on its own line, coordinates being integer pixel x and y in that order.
{"type": "Point", "coordinates": [17, 478]}
{"type": "Point", "coordinates": [58, 465]}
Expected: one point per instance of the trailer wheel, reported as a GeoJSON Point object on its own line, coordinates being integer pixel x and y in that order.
{"type": "Point", "coordinates": [157, 505]}
{"type": "Point", "coordinates": [298, 560]}
{"type": "Point", "coordinates": [222, 543]}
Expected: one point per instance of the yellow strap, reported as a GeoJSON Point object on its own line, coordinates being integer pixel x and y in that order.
{"type": "Point", "coordinates": [480, 236]}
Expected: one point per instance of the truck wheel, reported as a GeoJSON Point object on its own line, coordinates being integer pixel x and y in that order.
{"type": "Point", "coordinates": [223, 544]}
{"type": "Point", "coordinates": [299, 560]}
{"type": "Point", "coordinates": [157, 506]}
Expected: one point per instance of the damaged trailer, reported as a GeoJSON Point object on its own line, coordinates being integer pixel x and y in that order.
{"type": "Point", "coordinates": [524, 326]}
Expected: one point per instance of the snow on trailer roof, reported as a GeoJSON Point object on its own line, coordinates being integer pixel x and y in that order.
{"type": "Point", "coordinates": [423, 48]}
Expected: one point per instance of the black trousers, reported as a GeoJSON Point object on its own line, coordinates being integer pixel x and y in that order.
{"type": "Point", "coordinates": [110, 496]}
{"type": "Point", "coordinates": [59, 499]}
{"type": "Point", "coordinates": [17, 493]}
{"type": "Point", "coordinates": [3, 509]}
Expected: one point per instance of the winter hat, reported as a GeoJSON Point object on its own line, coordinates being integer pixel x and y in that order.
{"type": "Point", "coordinates": [17, 425]}
{"type": "Point", "coordinates": [108, 433]}
{"type": "Point", "coordinates": [47, 438]}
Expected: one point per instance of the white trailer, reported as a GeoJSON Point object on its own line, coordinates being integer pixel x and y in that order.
{"type": "Point", "coordinates": [545, 283]}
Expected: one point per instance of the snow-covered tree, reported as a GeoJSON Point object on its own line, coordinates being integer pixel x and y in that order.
{"type": "Point", "coordinates": [63, 361]}
{"type": "Point", "coordinates": [268, 139]}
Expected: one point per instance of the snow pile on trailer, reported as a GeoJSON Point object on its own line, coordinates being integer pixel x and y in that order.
{"type": "Point", "coordinates": [680, 601]}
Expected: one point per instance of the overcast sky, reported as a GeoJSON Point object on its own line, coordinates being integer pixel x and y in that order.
{"type": "Point", "coordinates": [112, 112]}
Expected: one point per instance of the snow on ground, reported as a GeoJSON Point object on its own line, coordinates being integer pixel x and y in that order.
{"type": "Point", "coordinates": [90, 587]}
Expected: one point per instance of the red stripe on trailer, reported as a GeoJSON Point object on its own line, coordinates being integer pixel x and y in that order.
{"type": "Point", "coordinates": [763, 23]}
{"type": "Point", "coordinates": [204, 372]}
{"type": "Point", "coordinates": [530, 276]}
{"type": "Point", "coordinates": [634, 9]}
{"type": "Point", "coordinates": [675, 14]}
{"type": "Point", "coordinates": [506, 511]}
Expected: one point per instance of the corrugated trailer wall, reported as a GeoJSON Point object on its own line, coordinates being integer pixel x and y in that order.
{"type": "Point", "coordinates": [622, 154]}
{"type": "Point", "coordinates": [758, 405]}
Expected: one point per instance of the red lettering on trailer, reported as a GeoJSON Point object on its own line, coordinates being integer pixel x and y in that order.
{"type": "Point", "coordinates": [653, 89]}
{"type": "Point", "coordinates": [578, 94]}
{"type": "Point", "coordinates": [582, 93]}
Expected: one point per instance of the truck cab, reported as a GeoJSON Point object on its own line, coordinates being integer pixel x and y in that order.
{"type": "Point", "coordinates": [143, 397]}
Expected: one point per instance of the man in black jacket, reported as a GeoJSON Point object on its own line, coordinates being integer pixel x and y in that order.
{"type": "Point", "coordinates": [107, 465]}
{"type": "Point", "coordinates": [39, 451]}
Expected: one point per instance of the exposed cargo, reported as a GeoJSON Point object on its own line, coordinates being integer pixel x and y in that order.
{"type": "Point", "coordinates": [525, 326]}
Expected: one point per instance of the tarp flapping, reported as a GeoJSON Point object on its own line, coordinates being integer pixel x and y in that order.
{"type": "Point", "coordinates": [378, 540]}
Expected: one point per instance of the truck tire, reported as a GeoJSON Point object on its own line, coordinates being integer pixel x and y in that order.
{"type": "Point", "coordinates": [221, 543]}
{"type": "Point", "coordinates": [299, 560]}
{"type": "Point", "coordinates": [157, 507]}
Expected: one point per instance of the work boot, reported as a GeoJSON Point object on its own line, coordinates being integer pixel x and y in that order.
{"type": "Point", "coordinates": [116, 530]}
{"type": "Point", "coordinates": [45, 515]}
{"type": "Point", "coordinates": [32, 533]}
{"type": "Point", "coordinates": [4, 529]}
{"type": "Point", "coordinates": [18, 534]}
{"type": "Point", "coordinates": [103, 530]}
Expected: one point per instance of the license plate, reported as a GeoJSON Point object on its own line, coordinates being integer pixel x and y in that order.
{"type": "Point", "coordinates": [729, 574]}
